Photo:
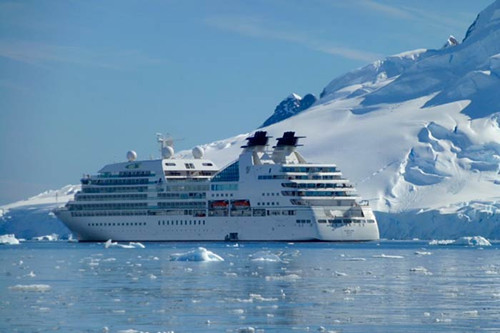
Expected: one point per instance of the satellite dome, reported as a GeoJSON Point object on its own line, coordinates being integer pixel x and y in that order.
{"type": "Point", "coordinates": [167, 152]}
{"type": "Point", "coordinates": [198, 152]}
{"type": "Point", "coordinates": [131, 155]}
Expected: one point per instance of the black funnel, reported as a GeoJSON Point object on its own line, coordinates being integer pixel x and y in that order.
{"type": "Point", "coordinates": [259, 138]}
{"type": "Point", "coordinates": [289, 139]}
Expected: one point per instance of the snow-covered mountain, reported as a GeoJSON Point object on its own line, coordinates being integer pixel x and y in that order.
{"type": "Point", "coordinates": [418, 133]}
{"type": "Point", "coordinates": [33, 217]}
{"type": "Point", "coordinates": [289, 107]}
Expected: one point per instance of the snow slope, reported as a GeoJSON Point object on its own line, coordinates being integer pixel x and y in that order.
{"type": "Point", "coordinates": [418, 133]}
{"type": "Point", "coordinates": [33, 217]}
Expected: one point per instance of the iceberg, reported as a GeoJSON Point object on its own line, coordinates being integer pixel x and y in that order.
{"type": "Point", "coordinates": [473, 241]}
{"type": "Point", "coordinates": [199, 254]}
{"type": "Point", "coordinates": [9, 239]}
{"type": "Point", "coordinates": [132, 245]}
{"type": "Point", "coordinates": [48, 238]}
{"type": "Point", "coordinates": [467, 241]}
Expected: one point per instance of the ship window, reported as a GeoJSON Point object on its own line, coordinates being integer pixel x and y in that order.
{"type": "Point", "coordinates": [224, 187]}
{"type": "Point", "coordinates": [189, 165]}
{"type": "Point", "coordinates": [169, 164]}
{"type": "Point", "coordinates": [207, 164]}
{"type": "Point", "coordinates": [229, 174]}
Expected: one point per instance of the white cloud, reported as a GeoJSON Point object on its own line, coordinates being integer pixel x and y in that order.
{"type": "Point", "coordinates": [405, 12]}
{"type": "Point", "coordinates": [384, 9]}
{"type": "Point", "coordinates": [42, 54]}
{"type": "Point", "coordinates": [259, 29]}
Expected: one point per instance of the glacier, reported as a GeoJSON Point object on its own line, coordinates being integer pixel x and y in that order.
{"type": "Point", "coordinates": [418, 134]}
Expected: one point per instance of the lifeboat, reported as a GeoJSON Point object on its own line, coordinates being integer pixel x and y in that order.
{"type": "Point", "coordinates": [241, 203]}
{"type": "Point", "coordinates": [220, 204]}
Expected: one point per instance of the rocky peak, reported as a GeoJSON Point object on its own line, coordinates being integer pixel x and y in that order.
{"type": "Point", "coordinates": [290, 106]}
{"type": "Point", "coordinates": [452, 41]}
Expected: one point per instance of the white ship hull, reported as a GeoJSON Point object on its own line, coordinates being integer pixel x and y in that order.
{"type": "Point", "coordinates": [152, 228]}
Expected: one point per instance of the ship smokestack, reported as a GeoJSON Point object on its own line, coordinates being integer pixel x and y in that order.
{"type": "Point", "coordinates": [286, 147]}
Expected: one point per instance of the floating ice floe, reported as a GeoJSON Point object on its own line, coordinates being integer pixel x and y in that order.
{"type": "Point", "coordinates": [423, 253]}
{"type": "Point", "coordinates": [467, 241]}
{"type": "Point", "coordinates": [387, 256]}
{"type": "Point", "coordinates": [353, 259]}
{"type": "Point", "coordinates": [265, 256]}
{"type": "Point", "coordinates": [473, 241]}
{"type": "Point", "coordinates": [352, 290]}
{"type": "Point", "coordinates": [253, 298]}
{"type": "Point", "coordinates": [441, 242]}
{"type": "Point", "coordinates": [420, 270]}
{"type": "Point", "coordinates": [199, 254]}
{"type": "Point", "coordinates": [31, 287]}
{"type": "Point", "coordinates": [31, 274]}
{"type": "Point", "coordinates": [131, 245]}
{"type": "Point", "coordinates": [472, 313]}
{"type": "Point", "coordinates": [289, 277]}
{"type": "Point", "coordinates": [46, 238]}
{"type": "Point", "coordinates": [9, 239]}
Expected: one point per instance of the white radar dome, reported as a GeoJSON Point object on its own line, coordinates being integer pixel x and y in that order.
{"type": "Point", "coordinates": [131, 155]}
{"type": "Point", "coordinates": [198, 152]}
{"type": "Point", "coordinates": [167, 152]}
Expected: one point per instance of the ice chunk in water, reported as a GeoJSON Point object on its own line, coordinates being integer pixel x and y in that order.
{"type": "Point", "coordinates": [48, 238]}
{"type": "Point", "coordinates": [246, 330]}
{"type": "Point", "coordinates": [473, 241]}
{"type": "Point", "coordinates": [31, 287]}
{"type": "Point", "coordinates": [9, 239]}
{"type": "Point", "coordinates": [131, 245]}
{"type": "Point", "coordinates": [467, 241]}
{"type": "Point", "coordinates": [199, 254]}
{"type": "Point", "coordinates": [420, 270]}
{"type": "Point", "coordinates": [387, 256]}
{"type": "Point", "coordinates": [265, 256]}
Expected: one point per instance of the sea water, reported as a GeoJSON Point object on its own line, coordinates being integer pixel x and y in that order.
{"type": "Point", "coordinates": [386, 286]}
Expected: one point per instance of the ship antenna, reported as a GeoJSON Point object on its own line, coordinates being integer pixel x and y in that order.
{"type": "Point", "coordinates": [166, 145]}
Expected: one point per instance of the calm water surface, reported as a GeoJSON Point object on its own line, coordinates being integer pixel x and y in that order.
{"type": "Point", "coordinates": [383, 286]}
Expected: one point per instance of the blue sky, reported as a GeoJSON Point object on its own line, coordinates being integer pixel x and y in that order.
{"type": "Point", "coordinates": [82, 82]}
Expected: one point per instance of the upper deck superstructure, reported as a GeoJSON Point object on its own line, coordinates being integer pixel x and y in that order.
{"type": "Point", "coordinates": [263, 195]}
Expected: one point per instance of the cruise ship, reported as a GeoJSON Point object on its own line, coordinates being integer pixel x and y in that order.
{"type": "Point", "coordinates": [265, 195]}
